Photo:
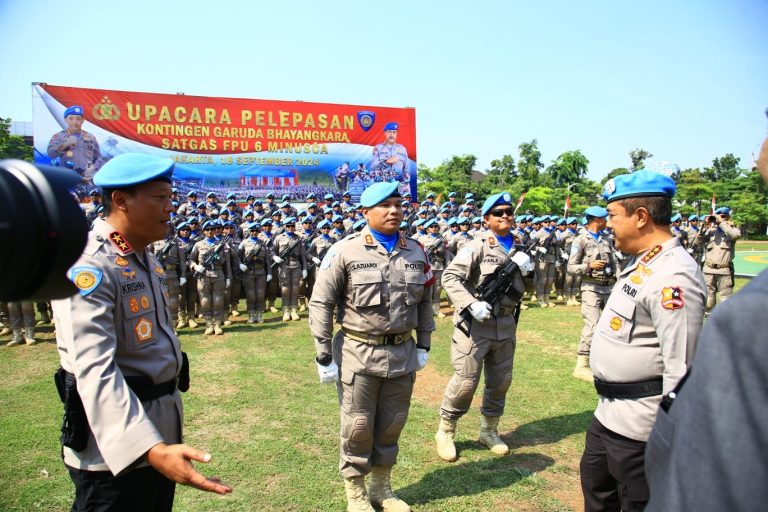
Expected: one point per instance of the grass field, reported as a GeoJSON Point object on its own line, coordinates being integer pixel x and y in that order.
{"type": "Point", "coordinates": [255, 404]}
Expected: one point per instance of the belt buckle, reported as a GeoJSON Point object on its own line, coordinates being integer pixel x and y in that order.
{"type": "Point", "coordinates": [389, 339]}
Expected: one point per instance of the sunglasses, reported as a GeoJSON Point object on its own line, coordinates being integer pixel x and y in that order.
{"type": "Point", "coordinates": [509, 212]}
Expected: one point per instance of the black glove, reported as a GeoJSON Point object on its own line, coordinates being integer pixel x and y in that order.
{"type": "Point", "coordinates": [324, 359]}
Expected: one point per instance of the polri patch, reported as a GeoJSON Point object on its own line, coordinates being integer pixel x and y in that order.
{"type": "Point", "coordinates": [672, 297]}
{"type": "Point", "coordinates": [86, 279]}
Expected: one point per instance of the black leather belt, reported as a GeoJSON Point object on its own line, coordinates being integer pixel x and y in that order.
{"type": "Point", "coordinates": [145, 390]}
{"type": "Point", "coordinates": [640, 389]}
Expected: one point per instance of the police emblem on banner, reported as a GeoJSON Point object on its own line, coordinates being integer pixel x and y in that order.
{"type": "Point", "coordinates": [366, 118]}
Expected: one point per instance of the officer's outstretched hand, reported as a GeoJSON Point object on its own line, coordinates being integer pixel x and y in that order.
{"type": "Point", "coordinates": [174, 462]}
{"type": "Point", "coordinates": [480, 310]}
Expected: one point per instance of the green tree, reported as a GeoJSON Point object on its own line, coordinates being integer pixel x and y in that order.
{"type": "Point", "coordinates": [638, 157]}
{"type": "Point", "coordinates": [454, 174]}
{"type": "Point", "coordinates": [529, 164]}
{"type": "Point", "coordinates": [616, 172]}
{"type": "Point", "coordinates": [694, 192]}
{"type": "Point", "coordinates": [502, 172]}
{"type": "Point", "coordinates": [12, 146]}
{"type": "Point", "coordinates": [724, 168]}
{"type": "Point", "coordinates": [570, 167]}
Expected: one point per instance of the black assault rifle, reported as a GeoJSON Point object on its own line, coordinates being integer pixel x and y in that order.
{"type": "Point", "coordinates": [494, 287]}
{"type": "Point", "coordinates": [163, 254]}
{"type": "Point", "coordinates": [286, 253]}
{"type": "Point", "coordinates": [210, 258]}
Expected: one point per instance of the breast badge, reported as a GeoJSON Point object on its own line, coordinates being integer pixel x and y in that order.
{"type": "Point", "coordinates": [119, 260]}
{"type": "Point", "coordinates": [159, 271]}
{"type": "Point", "coordinates": [145, 302]}
{"type": "Point", "coordinates": [143, 330]}
{"type": "Point", "coordinates": [128, 273]}
{"type": "Point", "coordinates": [86, 279]}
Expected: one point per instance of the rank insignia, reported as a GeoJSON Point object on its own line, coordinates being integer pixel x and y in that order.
{"type": "Point", "coordinates": [672, 297]}
{"type": "Point", "coordinates": [616, 323]}
{"type": "Point", "coordinates": [122, 245]}
{"type": "Point", "coordinates": [143, 330]}
{"type": "Point", "coordinates": [492, 241]}
{"type": "Point", "coordinates": [636, 279]}
{"type": "Point", "coordinates": [651, 254]}
{"type": "Point", "coordinates": [403, 243]}
{"type": "Point", "coordinates": [642, 269]}
{"type": "Point", "coordinates": [144, 302]}
{"type": "Point", "coordinates": [368, 240]}
{"type": "Point", "coordinates": [128, 272]}
{"type": "Point", "coordinates": [119, 260]}
{"type": "Point", "coordinates": [133, 305]}
{"type": "Point", "coordinates": [86, 279]}
{"type": "Point", "coordinates": [159, 271]}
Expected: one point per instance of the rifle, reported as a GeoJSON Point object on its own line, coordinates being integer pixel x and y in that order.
{"type": "Point", "coordinates": [494, 287]}
{"type": "Point", "coordinates": [210, 258]}
{"type": "Point", "coordinates": [163, 254]}
{"type": "Point", "coordinates": [285, 253]}
{"type": "Point", "coordinates": [252, 256]}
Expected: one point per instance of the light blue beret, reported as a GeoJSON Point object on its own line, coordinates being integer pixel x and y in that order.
{"type": "Point", "coordinates": [468, 195]}
{"type": "Point", "coordinates": [359, 224]}
{"type": "Point", "coordinates": [253, 225]}
{"type": "Point", "coordinates": [210, 194]}
{"type": "Point", "coordinates": [337, 218]}
{"type": "Point", "coordinates": [431, 194]}
{"type": "Point", "coordinates": [308, 220]}
{"type": "Point", "coordinates": [131, 169]}
{"type": "Point", "coordinates": [323, 224]}
{"type": "Point", "coordinates": [477, 219]}
{"type": "Point", "coordinates": [74, 110]}
{"type": "Point", "coordinates": [676, 217]}
{"type": "Point", "coordinates": [390, 126]}
{"type": "Point", "coordinates": [418, 222]}
{"type": "Point", "coordinates": [536, 220]}
{"type": "Point", "coordinates": [723, 210]}
{"type": "Point", "coordinates": [191, 193]}
{"type": "Point", "coordinates": [462, 220]}
{"type": "Point", "coordinates": [638, 184]}
{"type": "Point", "coordinates": [346, 193]}
{"type": "Point", "coordinates": [209, 224]}
{"type": "Point", "coordinates": [562, 222]}
{"type": "Point", "coordinates": [496, 199]}
{"type": "Point", "coordinates": [266, 222]}
{"type": "Point", "coordinates": [596, 211]}
{"type": "Point", "coordinates": [183, 225]}
{"type": "Point", "coordinates": [378, 192]}
{"type": "Point", "coordinates": [289, 220]}
{"type": "Point", "coordinates": [452, 221]}
{"type": "Point", "coordinates": [231, 195]}
{"type": "Point", "coordinates": [452, 194]}
{"type": "Point", "coordinates": [403, 225]}
{"type": "Point", "coordinates": [693, 217]}
{"type": "Point", "coordinates": [572, 220]}
{"type": "Point", "coordinates": [328, 196]}
{"type": "Point", "coordinates": [430, 223]}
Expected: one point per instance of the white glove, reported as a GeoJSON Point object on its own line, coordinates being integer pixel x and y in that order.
{"type": "Point", "coordinates": [316, 260]}
{"type": "Point", "coordinates": [328, 373]}
{"type": "Point", "coordinates": [423, 357]}
{"type": "Point", "coordinates": [199, 268]}
{"type": "Point", "coordinates": [542, 250]}
{"type": "Point", "coordinates": [523, 262]}
{"type": "Point", "coordinates": [227, 283]}
{"type": "Point", "coordinates": [690, 250]}
{"type": "Point", "coordinates": [269, 277]}
{"type": "Point", "coordinates": [243, 267]}
{"type": "Point", "coordinates": [277, 259]}
{"type": "Point", "coordinates": [480, 310]}
{"type": "Point", "coordinates": [304, 274]}
{"type": "Point", "coordinates": [182, 281]}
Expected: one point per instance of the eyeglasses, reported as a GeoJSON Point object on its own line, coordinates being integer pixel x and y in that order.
{"type": "Point", "coordinates": [509, 212]}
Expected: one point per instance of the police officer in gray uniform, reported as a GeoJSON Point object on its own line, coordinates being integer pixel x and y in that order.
{"type": "Point", "coordinates": [173, 258]}
{"type": "Point", "coordinates": [257, 259]}
{"type": "Point", "coordinates": [76, 148]}
{"type": "Point", "coordinates": [211, 262]}
{"type": "Point", "coordinates": [643, 341]}
{"type": "Point", "coordinates": [380, 282]}
{"type": "Point", "coordinates": [592, 258]}
{"type": "Point", "coordinates": [119, 355]}
{"type": "Point", "coordinates": [437, 250]}
{"type": "Point", "coordinates": [291, 258]}
{"type": "Point", "coordinates": [491, 340]}
{"type": "Point", "coordinates": [707, 448]}
{"type": "Point", "coordinates": [719, 249]}
{"type": "Point", "coordinates": [390, 157]}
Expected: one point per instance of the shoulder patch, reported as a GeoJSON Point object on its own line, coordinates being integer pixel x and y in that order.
{"type": "Point", "coordinates": [651, 254]}
{"type": "Point", "coordinates": [329, 255]}
{"type": "Point", "coordinates": [121, 244]}
{"type": "Point", "coordinates": [492, 241]}
{"type": "Point", "coordinates": [86, 279]}
{"type": "Point", "coordinates": [672, 297]}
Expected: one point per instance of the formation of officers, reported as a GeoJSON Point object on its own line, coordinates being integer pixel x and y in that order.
{"type": "Point", "coordinates": [376, 268]}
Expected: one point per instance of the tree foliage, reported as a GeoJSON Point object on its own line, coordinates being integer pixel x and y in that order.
{"type": "Point", "coordinates": [570, 167]}
{"type": "Point", "coordinates": [638, 157]}
{"type": "Point", "coordinates": [12, 146]}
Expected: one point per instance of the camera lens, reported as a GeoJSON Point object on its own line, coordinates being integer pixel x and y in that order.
{"type": "Point", "coordinates": [42, 231]}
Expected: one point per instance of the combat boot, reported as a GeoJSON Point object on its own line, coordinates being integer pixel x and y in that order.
{"type": "Point", "coordinates": [380, 491]}
{"type": "Point", "coordinates": [534, 298]}
{"type": "Point", "coordinates": [182, 322]}
{"type": "Point", "coordinates": [435, 310]}
{"type": "Point", "coordinates": [5, 330]}
{"type": "Point", "coordinates": [357, 498]}
{"type": "Point", "coordinates": [251, 318]}
{"type": "Point", "coordinates": [208, 328]}
{"type": "Point", "coordinates": [303, 305]}
{"type": "Point", "coordinates": [523, 307]}
{"type": "Point", "coordinates": [489, 435]}
{"type": "Point", "coordinates": [18, 338]}
{"type": "Point", "coordinates": [217, 330]}
{"type": "Point", "coordinates": [560, 298]}
{"type": "Point", "coordinates": [582, 371]}
{"type": "Point", "coordinates": [29, 336]}
{"type": "Point", "coordinates": [227, 322]}
{"type": "Point", "coordinates": [235, 312]}
{"type": "Point", "coordinates": [294, 314]}
{"type": "Point", "coordinates": [446, 448]}
{"type": "Point", "coordinates": [259, 318]}
{"type": "Point", "coordinates": [44, 318]}
{"type": "Point", "coordinates": [272, 307]}
{"type": "Point", "coordinates": [286, 314]}
{"type": "Point", "coordinates": [192, 324]}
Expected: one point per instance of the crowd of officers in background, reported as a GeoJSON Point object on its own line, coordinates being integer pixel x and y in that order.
{"type": "Point", "coordinates": [219, 252]}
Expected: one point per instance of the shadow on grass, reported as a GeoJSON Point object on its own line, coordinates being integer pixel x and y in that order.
{"type": "Point", "coordinates": [469, 478]}
{"type": "Point", "coordinates": [549, 430]}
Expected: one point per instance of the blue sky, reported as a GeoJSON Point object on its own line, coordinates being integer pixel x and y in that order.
{"type": "Point", "coordinates": [686, 80]}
